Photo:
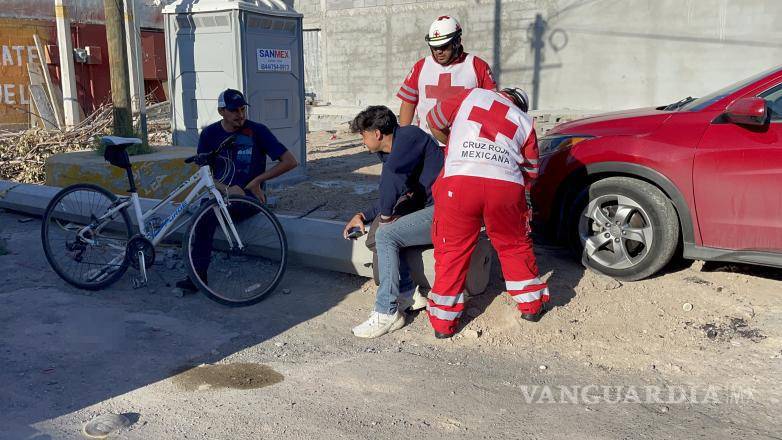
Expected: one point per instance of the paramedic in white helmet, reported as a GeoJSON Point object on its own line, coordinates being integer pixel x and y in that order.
{"type": "Point", "coordinates": [448, 71]}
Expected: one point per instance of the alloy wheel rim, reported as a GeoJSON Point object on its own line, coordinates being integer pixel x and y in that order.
{"type": "Point", "coordinates": [615, 232]}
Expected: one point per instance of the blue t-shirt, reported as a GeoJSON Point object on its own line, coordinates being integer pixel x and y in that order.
{"type": "Point", "coordinates": [252, 144]}
{"type": "Point", "coordinates": [412, 166]}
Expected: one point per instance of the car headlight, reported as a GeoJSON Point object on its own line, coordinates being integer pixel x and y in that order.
{"type": "Point", "coordinates": [549, 144]}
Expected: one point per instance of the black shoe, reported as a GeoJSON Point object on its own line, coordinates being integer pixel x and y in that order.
{"type": "Point", "coordinates": [533, 317]}
{"type": "Point", "coordinates": [439, 335]}
{"type": "Point", "coordinates": [187, 285]}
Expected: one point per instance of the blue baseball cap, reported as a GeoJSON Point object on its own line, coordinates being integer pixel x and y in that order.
{"type": "Point", "coordinates": [231, 99]}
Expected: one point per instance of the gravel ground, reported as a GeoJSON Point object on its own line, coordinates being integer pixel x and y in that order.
{"type": "Point", "coordinates": [608, 361]}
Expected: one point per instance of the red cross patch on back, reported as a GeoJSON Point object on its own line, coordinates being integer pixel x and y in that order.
{"type": "Point", "coordinates": [493, 121]}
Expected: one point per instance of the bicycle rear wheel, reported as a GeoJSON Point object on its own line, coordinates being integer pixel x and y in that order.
{"type": "Point", "coordinates": [220, 269]}
{"type": "Point", "coordinates": [83, 251]}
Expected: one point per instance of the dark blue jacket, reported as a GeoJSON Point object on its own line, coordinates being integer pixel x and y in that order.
{"type": "Point", "coordinates": [412, 166]}
{"type": "Point", "coordinates": [252, 144]}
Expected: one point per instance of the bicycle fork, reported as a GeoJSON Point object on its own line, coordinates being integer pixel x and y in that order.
{"type": "Point", "coordinates": [222, 215]}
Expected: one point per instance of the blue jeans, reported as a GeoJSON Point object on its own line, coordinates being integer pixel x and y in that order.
{"type": "Point", "coordinates": [414, 229]}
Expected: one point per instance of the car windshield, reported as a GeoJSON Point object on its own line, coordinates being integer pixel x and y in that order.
{"type": "Point", "coordinates": [711, 98]}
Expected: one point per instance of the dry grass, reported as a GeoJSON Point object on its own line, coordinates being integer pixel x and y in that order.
{"type": "Point", "coordinates": [23, 154]}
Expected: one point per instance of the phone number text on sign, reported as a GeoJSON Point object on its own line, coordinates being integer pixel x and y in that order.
{"type": "Point", "coordinates": [273, 60]}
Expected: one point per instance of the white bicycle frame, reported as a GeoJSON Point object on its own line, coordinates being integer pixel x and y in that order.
{"type": "Point", "coordinates": [201, 179]}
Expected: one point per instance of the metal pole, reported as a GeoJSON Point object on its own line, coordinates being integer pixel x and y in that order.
{"type": "Point", "coordinates": [70, 99]}
{"type": "Point", "coordinates": [118, 68]}
{"type": "Point", "coordinates": [138, 94]}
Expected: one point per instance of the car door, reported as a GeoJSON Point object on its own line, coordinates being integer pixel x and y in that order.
{"type": "Point", "coordinates": [737, 181]}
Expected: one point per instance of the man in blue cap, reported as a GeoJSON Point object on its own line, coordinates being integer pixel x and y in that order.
{"type": "Point", "coordinates": [253, 142]}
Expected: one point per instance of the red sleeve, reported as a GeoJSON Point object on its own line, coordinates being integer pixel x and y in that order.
{"type": "Point", "coordinates": [529, 151]}
{"type": "Point", "coordinates": [442, 115]}
{"type": "Point", "coordinates": [408, 92]}
{"type": "Point", "coordinates": [484, 75]}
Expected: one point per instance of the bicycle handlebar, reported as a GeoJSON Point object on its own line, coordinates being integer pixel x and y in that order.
{"type": "Point", "coordinates": [202, 159]}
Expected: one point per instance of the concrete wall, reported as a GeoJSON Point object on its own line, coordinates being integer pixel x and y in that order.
{"type": "Point", "coordinates": [595, 54]}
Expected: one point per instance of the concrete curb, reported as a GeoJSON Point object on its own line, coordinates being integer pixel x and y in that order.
{"type": "Point", "coordinates": [311, 242]}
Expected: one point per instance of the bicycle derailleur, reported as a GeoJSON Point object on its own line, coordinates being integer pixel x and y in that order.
{"type": "Point", "coordinates": [140, 253]}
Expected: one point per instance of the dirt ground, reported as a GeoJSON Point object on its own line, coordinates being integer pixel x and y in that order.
{"type": "Point", "coordinates": [342, 177]}
{"type": "Point", "coordinates": [591, 314]}
{"type": "Point", "coordinates": [290, 368]}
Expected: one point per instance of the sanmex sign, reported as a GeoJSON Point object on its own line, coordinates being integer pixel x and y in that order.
{"type": "Point", "coordinates": [273, 60]}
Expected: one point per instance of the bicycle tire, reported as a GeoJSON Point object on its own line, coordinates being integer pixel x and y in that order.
{"type": "Point", "coordinates": [256, 271]}
{"type": "Point", "coordinates": [54, 217]}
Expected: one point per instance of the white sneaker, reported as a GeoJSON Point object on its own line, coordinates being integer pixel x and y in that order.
{"type": "Point", "coordinates": [419, 300]}
{"type": "Point", "coordinates": [379, 324]}
{"type": "Point", "coordinates": [415, 302]}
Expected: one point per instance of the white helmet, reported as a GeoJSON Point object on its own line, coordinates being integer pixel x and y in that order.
{"type": "Point", "coordinates": [518, 96]}
{"type": "Point", "coordinates": [443, 31]}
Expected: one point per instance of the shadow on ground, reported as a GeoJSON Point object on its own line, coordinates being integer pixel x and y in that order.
{"type": "Point", "coordinates": [552, 261]}
{"type": "Point", "coordinates": [64, 349]}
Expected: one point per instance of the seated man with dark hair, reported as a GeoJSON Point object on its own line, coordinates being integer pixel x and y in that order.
{"type": "Point", "coordinates": [253, 143]}
{"type": "Point", "coordinates": [412, 160]}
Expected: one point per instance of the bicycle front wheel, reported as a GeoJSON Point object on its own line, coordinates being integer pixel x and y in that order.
{"type": "Point", "coordinates": [224, 271]}
{"type": "Point", "coordinates": [85, 251]}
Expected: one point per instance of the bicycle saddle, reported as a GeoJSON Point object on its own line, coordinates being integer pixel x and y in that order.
{"type": "Point", "coordinates": [119, 141]}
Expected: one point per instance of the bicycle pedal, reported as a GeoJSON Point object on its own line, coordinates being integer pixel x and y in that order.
{"type": "Point", "coordinates": [138, 282]}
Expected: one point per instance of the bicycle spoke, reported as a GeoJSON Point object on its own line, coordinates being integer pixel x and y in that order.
{"type": "Point", "coordinates": [84, 256]}
{"type": "Point", "coordinates": [236, 276]}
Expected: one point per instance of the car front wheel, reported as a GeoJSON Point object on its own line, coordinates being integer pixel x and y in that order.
{"type": "Point", "coordinates": [624, 228]}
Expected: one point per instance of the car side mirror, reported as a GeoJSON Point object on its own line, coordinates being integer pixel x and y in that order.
{"type": "Point", "coordinates": [747, 111]}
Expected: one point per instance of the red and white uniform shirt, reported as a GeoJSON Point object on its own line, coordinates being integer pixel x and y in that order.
{"type": "Point", "coordinates": [429, 82]}
{"type": "Point", "coordinates": [490, 137]}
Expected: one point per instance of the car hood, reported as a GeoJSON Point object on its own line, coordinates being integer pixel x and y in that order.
{"type": "Point", "coordinates": [628, 123]}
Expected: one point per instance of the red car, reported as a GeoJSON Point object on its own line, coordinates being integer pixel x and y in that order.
{"type": "Point", "coordinates": [700, 176]}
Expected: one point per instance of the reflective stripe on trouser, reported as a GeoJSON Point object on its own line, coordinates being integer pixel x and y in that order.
{"type": "Point", "coordinates": [529, 291]}
{"type": "Point", "coordinates": [445, 308]}
{"type": "Point", "coordinates": [462, 204]}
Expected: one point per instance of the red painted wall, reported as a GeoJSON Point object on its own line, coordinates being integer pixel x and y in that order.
{"type": "Point", "coordinates": [92, 80]}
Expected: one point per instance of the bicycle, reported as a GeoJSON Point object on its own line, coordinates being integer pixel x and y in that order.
{"type": "Point", "coordinates": [235, 249]}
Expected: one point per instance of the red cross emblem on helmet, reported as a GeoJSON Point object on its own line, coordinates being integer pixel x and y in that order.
{"type": "Point", "coordinates": [443, 30]}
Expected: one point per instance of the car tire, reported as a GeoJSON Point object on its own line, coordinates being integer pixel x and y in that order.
{"type": "Point", "coordinates": [623, 227]}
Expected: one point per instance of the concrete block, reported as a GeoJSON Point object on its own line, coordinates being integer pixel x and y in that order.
{"type": "Point", "coordinates": [421, 262]}
{"type": "Point", "coordinates": [311, 242]}
{"type": "Point", "coordinates": [27, 198]}
{"type": "Point", "coordinates": [156, 174]}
